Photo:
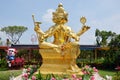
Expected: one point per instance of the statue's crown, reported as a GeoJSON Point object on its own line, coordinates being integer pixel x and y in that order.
{"type": "Point", "coordinates": [60, 11]}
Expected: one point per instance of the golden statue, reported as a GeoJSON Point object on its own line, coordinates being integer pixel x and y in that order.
{"type": "Point", "coordinates": [59, 56]}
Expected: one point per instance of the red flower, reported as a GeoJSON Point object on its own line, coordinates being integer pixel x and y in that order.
{"type": "Point", "coordinates": [118, 68]}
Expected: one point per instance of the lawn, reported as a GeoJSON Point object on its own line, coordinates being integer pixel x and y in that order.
{"type": "Point", "coordinates": [103, 73]}
{"type": "Point", "coordinates": [4, 75]}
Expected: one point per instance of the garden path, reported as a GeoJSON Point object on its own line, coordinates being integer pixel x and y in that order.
{"type": "Point", "coordinates": [18, 77]}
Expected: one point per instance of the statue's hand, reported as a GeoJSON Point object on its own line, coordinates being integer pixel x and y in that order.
{"type": "Point", "coordinates": [77, 38]}
{"type": "Point", "coordinates": [36, 26]}
{"type": "Point", "coordinates": [42, 38]}
{"type": "Point", "coordinates": [85, 28]}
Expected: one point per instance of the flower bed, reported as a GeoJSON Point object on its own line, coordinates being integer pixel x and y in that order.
{"type": "Point", "coordinates": [87, 74]}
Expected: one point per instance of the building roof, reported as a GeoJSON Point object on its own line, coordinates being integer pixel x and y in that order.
{"type": "Point", "coordinates": [31, 46]}
{"type": "Point", "coordinates": [89, 47]}
{"type": "Point", "coordinates": [25, 46]}
{"type": "Point", "coordinates": [35, 46]}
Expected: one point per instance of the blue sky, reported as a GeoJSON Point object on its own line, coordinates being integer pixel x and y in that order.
{"type": "Point", "coordinates": [100, 14]}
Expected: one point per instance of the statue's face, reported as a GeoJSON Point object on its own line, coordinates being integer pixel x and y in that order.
{"type": "Point", "coordinates": [11, 52]}
{"type": "Point", "coordinates": [59, 19]}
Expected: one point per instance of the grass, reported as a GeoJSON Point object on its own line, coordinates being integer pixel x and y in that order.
{"type": "Point", "coordinates": [4, 75]}
{"type": "Point", "coordinates": [103, 73]}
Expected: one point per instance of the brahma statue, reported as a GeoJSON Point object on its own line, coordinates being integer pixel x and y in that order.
{"type": "Point", "coordinates": [59, 56]}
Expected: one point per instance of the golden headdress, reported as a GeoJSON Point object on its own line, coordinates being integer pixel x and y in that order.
{"type": "Point", "coordinates": [60, 15]}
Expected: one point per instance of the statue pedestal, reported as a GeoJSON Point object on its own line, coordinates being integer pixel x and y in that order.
{"type": "Point", "coordinates": [56, 61]}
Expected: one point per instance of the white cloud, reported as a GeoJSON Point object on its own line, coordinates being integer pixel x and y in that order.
{"type": "Point", "coordinates": [110, 23]}
{"type": "Point", "coordinates": [47, 17]}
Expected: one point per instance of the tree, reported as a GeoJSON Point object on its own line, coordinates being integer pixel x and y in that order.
{"type": "Point", "coordinates": [14, 32]}
{"type": "Point", "coordinates": [113, 54]}
{"type": "Point", "coordinates": [104, 37]}
{"type": "Point", "coordinates": [115, 42]}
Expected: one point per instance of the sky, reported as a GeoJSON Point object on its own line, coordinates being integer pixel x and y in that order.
{"type": "Point", "coordinates": [100, 14]}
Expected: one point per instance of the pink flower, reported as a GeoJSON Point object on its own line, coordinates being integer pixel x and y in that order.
{"type": "Point", "coordinates": [25, 76]}
{"type": "Point", "coordinates": [80, 78]}
{"type": "Point", "coordinates": [53, 78]}
{"type": "Point", "coordinates": [87, 66]}
{"type": "Point", "coordinates": [65, 79]}
{"type": "Point", "coordinates": [33, 78]}
{"type": "Point", "coordinates": [94, 69]}
{"type": "Point", "coordinates": [92, 78]}
{"type": "Point", "coordinates": [74, 76]}
{"type": "Point", "coordinates": [84, 72]}
{"type": "Point", "coordinates": [28, 70]}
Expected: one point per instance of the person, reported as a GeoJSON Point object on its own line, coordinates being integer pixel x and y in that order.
{"type": "Point", "coordinates": [62, 34]}
{"type": "Point", "coordinates": [8, 43]}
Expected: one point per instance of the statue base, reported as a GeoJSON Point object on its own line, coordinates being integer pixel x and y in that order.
{"type": "Point", "coordinates": [56, 61]}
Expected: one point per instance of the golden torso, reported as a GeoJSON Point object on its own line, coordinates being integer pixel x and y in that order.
{"type": "Point", "coordinates": [61, 35]}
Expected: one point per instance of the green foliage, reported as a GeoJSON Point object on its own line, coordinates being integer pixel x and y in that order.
{"type": "Point", "coordinates": [39, 76]}
{"type": "Point", "coordinates": [3, 64]}
{"type": "Point", "coordinates": [3, 53]}
{"type": "Point", "coordinates": [85, 77]}
{"type": "Point", "coordinates": [103, 37]}
{"type": "Point", "coordinates": [115, 42]}
{"type": "Point", "coordinates": [117, 76]}
{"type": "Point", "coordinates": [33, 69]}
{"type": "Point", "coordinates": [48, 77]}
{"type": "Point", "coordinates": [112, 58]}
{"type": "Point", "coordinates": [103, 73]}
{"type": "Point", "coordinates": [112, 40]}
{"type": "Point", "coordinates": [4, 75]}
{"type": "Point", "coordinates": [33, 55]}
{"type": "Point", "coordinates": [14, 32]}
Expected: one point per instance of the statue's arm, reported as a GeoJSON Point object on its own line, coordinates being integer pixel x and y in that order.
{"type": "Point", "coordinates": [43, 35]}
{"type": "Point", "coordinates": [72, 34]}
{"type": "Point", "coordinates": [39, 32]}
{"type": "Point", "coordinates": [38, 29]}
{"type": "Point", "coordinates": [50, 32]}
{"type": "Point", "coordinates": [83, 30]}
